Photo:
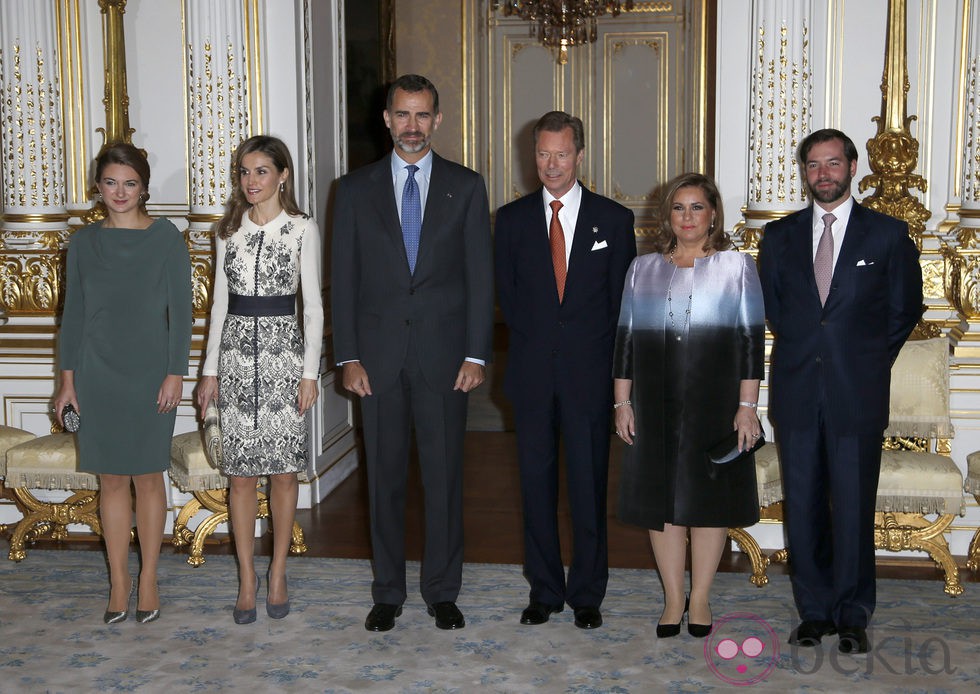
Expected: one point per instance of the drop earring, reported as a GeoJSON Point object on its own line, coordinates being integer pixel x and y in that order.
{"type": "Point", "coordinates": [282, 186]}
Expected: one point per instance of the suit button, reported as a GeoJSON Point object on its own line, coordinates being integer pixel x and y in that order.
{"type": "Point", "coordinates": [408, 322]}
{"type": "Point", "coordinates": [561, 324]}
{"type": "Point", "coordinates": [823, 322]}
{"type": "Point", "coordinates": [819, 360]}
{"type": "Point", "coordinates": [411, 291]}
{"type": "Point", "coordinates": [554, 352]}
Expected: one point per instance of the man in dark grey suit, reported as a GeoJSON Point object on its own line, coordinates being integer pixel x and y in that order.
{"type": "Point", "coordinates": [412, 289]}
{"type": "Point", "coordinates": [843, 290]}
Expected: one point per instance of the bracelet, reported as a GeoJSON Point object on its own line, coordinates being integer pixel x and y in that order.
{"type": "Point", "coordinates": [753, 405]}
{"type": "Point", "coordinates": [617, 405]}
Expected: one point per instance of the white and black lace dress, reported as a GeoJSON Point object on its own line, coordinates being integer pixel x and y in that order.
{"type": "Point", "coordinates": [255, 346]}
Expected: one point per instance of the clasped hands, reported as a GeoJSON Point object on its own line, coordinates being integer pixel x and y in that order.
{"type": "Point", "coordinates": [355, 378]}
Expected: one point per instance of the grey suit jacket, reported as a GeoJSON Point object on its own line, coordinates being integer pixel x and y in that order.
{"type": "Point", "coordinates": [445, 308]}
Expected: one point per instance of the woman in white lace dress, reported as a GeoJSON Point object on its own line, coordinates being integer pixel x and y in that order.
{"type": "Point", "coordinates": [261, 368]}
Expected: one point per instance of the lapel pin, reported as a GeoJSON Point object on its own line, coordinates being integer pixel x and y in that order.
{"type": "Point", "coordinates": [595, 230]}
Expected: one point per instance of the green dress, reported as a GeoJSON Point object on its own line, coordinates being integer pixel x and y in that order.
{"type": "Point", "coordinates": [126, 325]}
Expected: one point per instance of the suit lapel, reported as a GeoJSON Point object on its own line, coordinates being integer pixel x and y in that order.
{"type": "Point", "coordinates": [849, 254]}
{"type": "Point", "coordinates": [802, 249]}
{"type": "Point", "coordinates": [387, 210]}
{"type": "Point", "coordinates": [440, 191]}
{"type": "Point", "coordinates": [582, 241]}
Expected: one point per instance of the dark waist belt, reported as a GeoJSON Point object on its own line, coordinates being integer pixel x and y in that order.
{"type": "Point", "coordinates": [241, 305]}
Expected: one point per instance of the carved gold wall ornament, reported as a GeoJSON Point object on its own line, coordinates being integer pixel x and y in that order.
{"type": "Point", "coordinates": [893, 153]}
{"type": "Point", "coordinates": [116, 99]}
{"type": "Point", "coordinates": [781, 106]}
{"type": "Point", "coordinates": [31, 282]}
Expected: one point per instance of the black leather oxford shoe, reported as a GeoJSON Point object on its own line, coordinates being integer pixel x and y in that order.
{"type": "Point", "coordinates": [382, 617]}
{"type": "Point", "coordinates": [853, 640]}
{"type": "Point", "coordinates": [588, 617]}
{"type": "Point", "coordinates": [447, 615]}
{"type": "Point", "coordinates": [538, 613]}
{"type": "Point", "coordinates": [810, 632]}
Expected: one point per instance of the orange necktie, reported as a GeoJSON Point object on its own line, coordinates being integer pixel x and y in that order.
{"type": "Point", "coordinates": [557, 237]}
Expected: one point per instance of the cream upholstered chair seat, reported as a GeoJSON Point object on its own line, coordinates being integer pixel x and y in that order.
{"type": "Point", "coordinates": [972, 486]}
{"type": "Point", "coordinates": [192, 471]}
{"type": "Point", "coordinates": [50, 463]}
{"type": "Point", "coordinates": [925, 483]}
{"type": "Point", "coordinates": [769, 481]}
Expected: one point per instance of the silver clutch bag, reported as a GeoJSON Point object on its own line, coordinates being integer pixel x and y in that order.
{"type": "Point", "coordinates": [212, 433]}
{"type": "Point", "coordinates": [70, 419]}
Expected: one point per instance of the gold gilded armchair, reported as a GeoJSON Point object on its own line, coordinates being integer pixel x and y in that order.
{"type": "Point", "coordinates": [770, 486]}
{"type": "Point", "coordinates": [48, 463]}
{"type": "Point", "coordinates": [920, 488]}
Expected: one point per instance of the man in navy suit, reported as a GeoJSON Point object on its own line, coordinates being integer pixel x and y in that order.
{"type": "Point", "coordinates": [561, 256]}
{"type": "Point", "coordinates": [843, 290]}
{"type": "Point", "coordinates": [412, 289]}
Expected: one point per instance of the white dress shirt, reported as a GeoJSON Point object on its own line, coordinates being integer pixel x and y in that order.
{"type": "Point", "coordinates": [567, 215]}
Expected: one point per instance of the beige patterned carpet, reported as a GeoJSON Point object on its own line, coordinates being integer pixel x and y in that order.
{"type": "Point", "coordinates": [52, 638]}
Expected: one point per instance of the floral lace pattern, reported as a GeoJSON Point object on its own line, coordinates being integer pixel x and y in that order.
{"type": "Point", "coordinates": [261, 358]}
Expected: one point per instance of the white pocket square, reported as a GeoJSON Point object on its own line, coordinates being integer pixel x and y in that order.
{"type": "Point", "coordinates": [862, 263]}
{"type": "Point", "coordinates": [598, 245]}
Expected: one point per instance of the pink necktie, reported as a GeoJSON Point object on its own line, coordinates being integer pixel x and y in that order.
{"type": "Point", "coordinates": [557, 237]}
{"type": "Point", "coordinates": [823, 262]}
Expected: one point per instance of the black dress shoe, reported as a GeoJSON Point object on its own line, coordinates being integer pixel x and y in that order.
{"type": "Point", "coordinates": [447, 615]}
{"type": "Point", "coordinates": [853, 640]}
{"type": "Point", "coordinates": [810, 632]}
{"type": "Point", "coordinates": [588, 617]}
{"type": "Point", "coordinates": [538, 612]}
{"type": "Point", "coordinates": [382, 617]}
{"type": "Point", "coordinates": [665, 631]}
{"type": "Point", "coordinates": [698, 631]}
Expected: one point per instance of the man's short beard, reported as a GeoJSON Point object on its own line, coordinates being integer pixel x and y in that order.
{"type": "Point", "coordinates": [835, 193]}
{"type": "Point", "coordinates": [412, 148]}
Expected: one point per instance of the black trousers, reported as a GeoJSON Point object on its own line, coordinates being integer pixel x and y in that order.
{"type": "Point", "coordinates": [439, 420]}
{"type": "Point", "coordinates": [830, 483]}
{"type": "Point", "coordinates": [586, 438]}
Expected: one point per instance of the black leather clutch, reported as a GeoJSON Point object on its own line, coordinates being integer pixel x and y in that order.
{"type": "Point", "coordinates": [70, 418]}
{"type": "Point", "coordinates": [725, 451]}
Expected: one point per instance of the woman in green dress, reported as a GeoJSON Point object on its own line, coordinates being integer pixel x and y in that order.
{"type": "Point", "coordinates": [125, 338]}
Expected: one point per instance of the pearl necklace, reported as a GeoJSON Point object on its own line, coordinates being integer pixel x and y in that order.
{"type": "Point", "coordinates": [670, 304]}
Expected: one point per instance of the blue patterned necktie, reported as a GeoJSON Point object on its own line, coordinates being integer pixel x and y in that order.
{"type": "Point", "coordinates": [411, 217]}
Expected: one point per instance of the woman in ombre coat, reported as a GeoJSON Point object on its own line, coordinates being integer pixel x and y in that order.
{"type": "Point", "coordinates": [689, 359]}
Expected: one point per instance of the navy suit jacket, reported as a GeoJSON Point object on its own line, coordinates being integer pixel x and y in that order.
{"type": "Point", "coordinates": [573, 339]}
{"type": "Point", "coordinates": [845, 348]}
{"type": "Point", "coordinates": [446, 306]}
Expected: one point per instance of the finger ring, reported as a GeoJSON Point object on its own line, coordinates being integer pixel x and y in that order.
{"type": "Point", "coordinates": [755, 436]}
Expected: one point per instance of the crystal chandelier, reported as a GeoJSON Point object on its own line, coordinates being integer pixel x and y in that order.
{"type": "Point", "coordinates": [563, 23]}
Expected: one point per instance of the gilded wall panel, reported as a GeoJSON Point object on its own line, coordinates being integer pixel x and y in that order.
{"type": "Point", "coordinates": [527, 84]}
{"type": "Point", "coordinates": [639, 138]}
